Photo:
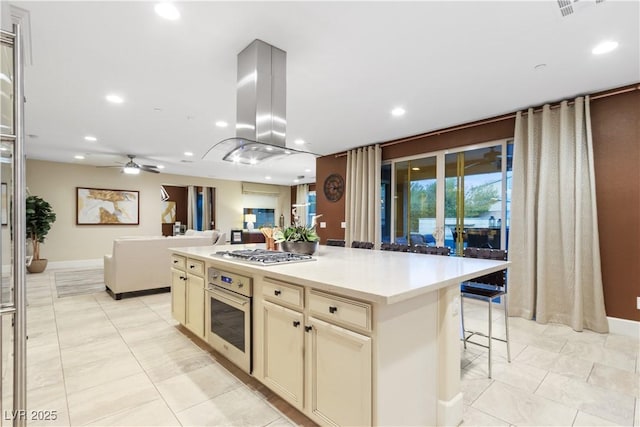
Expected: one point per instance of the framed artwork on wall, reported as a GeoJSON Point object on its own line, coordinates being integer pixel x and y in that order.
{"type": "Point", "coordinates": [97, 206]}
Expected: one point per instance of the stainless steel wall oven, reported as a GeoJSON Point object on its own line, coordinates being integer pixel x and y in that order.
{"type": "Point", "coordinates": [228, 316]}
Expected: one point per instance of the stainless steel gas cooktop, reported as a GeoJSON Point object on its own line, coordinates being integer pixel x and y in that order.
{"type": "Point", "coordinates": [263, 256]}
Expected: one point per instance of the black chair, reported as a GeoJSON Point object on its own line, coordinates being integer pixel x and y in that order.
{"type": "Point", "coordinates": [336, 242]}
{"type": "Point", "coordinates": [362, 245]}
{"type": "Point", "coordinates": [398, 247]}
{"type": "Point", "coordinates": [432, 250]}
{"type": "Point", "coordinates": [486, 288]}
{"type": "Point", "coordinates": [385, 246]}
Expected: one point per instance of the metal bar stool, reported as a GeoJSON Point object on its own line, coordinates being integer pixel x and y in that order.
{"type": "Point", "coordinates": [486, 288]}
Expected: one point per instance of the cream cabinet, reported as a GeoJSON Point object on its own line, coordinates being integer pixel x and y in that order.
{"type": "Point", "coordinates": [178, 295]}
{"type": "Point", "coordinates": [339, 373]}
{"type": "Point", "coordinates": [316, 352]}
{"type": "Point", "coordinates": [283, 352]}
{"type": "Point", "coordinates": [187, 293]}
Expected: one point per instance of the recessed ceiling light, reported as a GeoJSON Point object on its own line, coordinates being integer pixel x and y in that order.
{"type": "Point", "coordinates": [540, 67]}
{"type": "Point", "coordinates": [398, 111]}
{"type": "Point", "coordinates": [296, 180]}
{"type": "Point", "coordinates": [114, 99]}
{"type": "Point", "coordinates": [222, 124]}
{"type": "Point", "coordinates": [287, 152]}
{"type": "Point", "coordinates": [188, 153]}
{"type": "Point", "coordinates": [253, 161]}
{"type": "Point", "coordinates": [90, 138]}
{"type": "Point", "coordinates": [604, 47]}
{"type": "Point", "coordinates": [267, 177]}
{"type": "Point", "coordinates": [160, 166]}
{"type": "Point", "coordinates": [299, 141]}
{"type": "Point", "coordinates": [307, 170]}
{"type": "Point", "coordinates": [78, 157]}
{"type": "Point", "coordinates": [415, 169]}
{"type": "Point", "coordinates": [167, 11]}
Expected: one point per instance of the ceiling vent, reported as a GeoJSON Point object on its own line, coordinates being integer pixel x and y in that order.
{"type": "Point", "coordinates": [569, 7]}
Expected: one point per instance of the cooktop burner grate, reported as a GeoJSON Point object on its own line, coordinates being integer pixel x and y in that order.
{"type": "Point", "coordinates": [263, 256]}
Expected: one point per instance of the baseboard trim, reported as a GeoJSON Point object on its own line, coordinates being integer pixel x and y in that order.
{"type": "Point", "coordinates": [81, 263]}
{"type": "Point", "coordinates": [630, 328]}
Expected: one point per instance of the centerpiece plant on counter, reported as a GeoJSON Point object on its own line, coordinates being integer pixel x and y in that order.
{"type": "Point", "coordinates": [299, 239]}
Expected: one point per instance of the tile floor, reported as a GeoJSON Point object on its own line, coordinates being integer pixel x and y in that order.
{"type": "Point", "coordinates": [96, 361]}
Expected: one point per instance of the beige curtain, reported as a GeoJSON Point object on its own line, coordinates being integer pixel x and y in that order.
{"type": "Point", "coordinates": [302, 195]}
{"type": "Point", "coordinates": [362, 204]}
{"type": "Point", "coordinates": [192, 209]}
{"type": "Point", "coordinates": [206, 208]}
{"type": "Point", "coordinates": [554, 245]}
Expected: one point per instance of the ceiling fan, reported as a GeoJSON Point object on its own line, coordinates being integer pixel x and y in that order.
{"type": "Point", "coordinates": [133, 168]}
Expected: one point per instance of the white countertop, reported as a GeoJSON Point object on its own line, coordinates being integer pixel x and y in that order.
{"type": "Point", "coordinates": [383, 277]}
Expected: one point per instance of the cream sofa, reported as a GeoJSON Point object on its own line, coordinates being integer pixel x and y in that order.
{"type": "Point", "coordinates": [143, 263]}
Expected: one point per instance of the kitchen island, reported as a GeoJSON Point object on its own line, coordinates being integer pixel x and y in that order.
{"type": "Point", "coordinates": [354, 337]}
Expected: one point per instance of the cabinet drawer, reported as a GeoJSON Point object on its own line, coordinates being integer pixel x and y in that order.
{"type": "Point", "coordinates": [283, 293]}
{"type": "Point", "coordinates": [340, 310]}
{"type": "Point", "coordinates": [195, 266]}
{"type": "Point", "coordinates": [178, 261]}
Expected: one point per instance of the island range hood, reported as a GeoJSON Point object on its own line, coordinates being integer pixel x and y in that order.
{"type": "Point", "coordinates": [261, 108]}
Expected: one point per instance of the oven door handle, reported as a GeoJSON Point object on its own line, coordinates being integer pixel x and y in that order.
{"type": "Point", "coordinates": [228, 296]}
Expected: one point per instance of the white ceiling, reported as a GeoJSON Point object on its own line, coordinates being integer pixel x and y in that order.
{"type": "Point", "coordinates": [348, 65]}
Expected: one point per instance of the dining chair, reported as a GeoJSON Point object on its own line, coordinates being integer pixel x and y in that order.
{"type": "Point", "coordinates": [432, 250]}
{"type": "Point", "coordinates": [362, 245]}
{"type": "Point", "coordinates": [336, 242]}
{"type": "Point", "coordinates": [385, 246]}
{"type": "Point", "coordinates": [486, 288]}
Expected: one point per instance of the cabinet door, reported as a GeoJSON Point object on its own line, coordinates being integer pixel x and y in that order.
{"type": "Point", "coordinates": [195, 305]}
{"type": "Point", "coordinates": [178, 295]}
{"type": "Point", "coordinates": [339, 375]}
{"type": "Point", "coordinates": [283, 352]}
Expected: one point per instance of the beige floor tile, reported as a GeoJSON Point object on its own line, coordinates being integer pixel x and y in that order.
{"type": "Point", "coordinates": [474, 417]}
{"type": "Point", "coordinates": [79, 319]}
{"type": "Point", "coordinates": [615, 379]}
{"type": "Point", "coordinates": [153, 331]}
{"type": "Point", "coordinates": [473, 385]}
{"type": "Point", "coordinates": [48, 406]}
{"type": "Point", "coordinates": [186, 390]}
{"type": "Point", "coordinates": [624, 344]}
{"type": "Point", "coordinates": [82, 336]}
{"type": "Point", "coordinates": [600, 354]}
{"type": "Point", "coordinates": [177, 366]}
{"type": "Point", "coordinates": [91, 374]}
{"type": "Point", "coordinates": [238, 407]}
{"type": "Point", "coordinates": [564, 331]}
{"type": "Point", "coordinates": [107, 348]}
{"type": "Point", "coordinates": [154, 413]}
{"type": "Point", "coordinates": [570, 366]}
{"type": "Point", "coordinates": [111, 398]}
{"type": "Point", "coordinates": [520, 408]}
{"type": "Point", "coordinates": [584, 419]}
{"type": "Point", "coordinates": [44, 374]}
{"type": "Point", "coordinates": [532, 339]}
{"type": "Point", "coordinates": [520, 375]}
{"type": "Point", "coordinates": [594, 400]}
{"type": "Point", "coordinates": [126, 319]}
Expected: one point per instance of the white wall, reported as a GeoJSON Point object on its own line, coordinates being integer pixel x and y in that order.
{"type": "Point", "coordinates": [57, 182]}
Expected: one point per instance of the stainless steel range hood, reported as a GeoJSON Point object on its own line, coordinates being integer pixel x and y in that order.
{"type": "Point", "coordinates": [261, 107]}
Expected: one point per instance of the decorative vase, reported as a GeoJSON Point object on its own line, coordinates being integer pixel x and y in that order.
{"type": "Point", "coordinates": [37, 266]}
{"type": "Point", "coordinates": [307, 248]}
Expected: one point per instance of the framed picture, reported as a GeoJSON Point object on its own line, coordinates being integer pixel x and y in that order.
{"type": "Point", "coordinates": [97, 206]}
{"type": "Point", "coordinates": [168, 212]}
{"type": "Point", "coordinates": [4, 205]}
{"type": "Point", "coordinates": [236, 237]}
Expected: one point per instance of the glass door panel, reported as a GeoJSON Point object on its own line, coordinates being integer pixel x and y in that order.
{"type": "Point", "coordinates": [415, 201]}
{"type": "Point", "coordinates": [6, 89]}
{"type": "Point", "coordinates": [473, 202]}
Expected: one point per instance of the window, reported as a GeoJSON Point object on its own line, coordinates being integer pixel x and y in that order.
{"type": "Point", "coordinates": [311, 206]}
{"type": "Point", "coordinates": [264, 217]}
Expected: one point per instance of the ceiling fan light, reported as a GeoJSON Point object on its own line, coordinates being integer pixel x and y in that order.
{"type": "Point", "coordinates": [130, 170]}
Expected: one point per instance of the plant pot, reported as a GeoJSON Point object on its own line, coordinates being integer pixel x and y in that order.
{"type": "Point", "coordinates": [37, 266]}
{"type": "Point", "coordinates": [307, 248]}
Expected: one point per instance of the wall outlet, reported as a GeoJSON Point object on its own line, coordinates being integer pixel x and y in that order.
{"type": "Point", "coordinates": [323, 225]}
{"type": "Point", "coordinates": [638, 303]}
{"type": "Point", "coordinates": [343, 224]}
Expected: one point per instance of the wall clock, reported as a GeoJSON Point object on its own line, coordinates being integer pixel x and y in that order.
{"type": "Point", "coordinates": [334, 187]}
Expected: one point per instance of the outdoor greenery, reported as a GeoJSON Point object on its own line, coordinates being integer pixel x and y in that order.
{"type": "Point", "coordinates": [477, 201]}
{"type": "Point", "coordinates": [299, 233]}
{"type": "Point", "coordinates": [40, 216]}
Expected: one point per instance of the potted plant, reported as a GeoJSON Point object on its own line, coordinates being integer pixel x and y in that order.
{"type": "Point", "coordinates": [298, 239]}
{"type": "Point", "coordinates": [40, 216]}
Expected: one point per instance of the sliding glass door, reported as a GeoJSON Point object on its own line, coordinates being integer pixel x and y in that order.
{"type": "Point", "coordinates": [450, 198]}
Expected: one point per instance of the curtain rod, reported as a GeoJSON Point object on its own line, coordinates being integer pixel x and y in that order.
{"type": "Point", "coordinates": [496, 119]}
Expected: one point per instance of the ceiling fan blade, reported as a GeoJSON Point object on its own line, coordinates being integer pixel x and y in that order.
{"type": "Point", "coordinates": [149, 169]}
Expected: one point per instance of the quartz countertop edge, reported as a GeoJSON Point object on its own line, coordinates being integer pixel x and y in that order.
{"type": "Point", "coordinates": [375, 276]}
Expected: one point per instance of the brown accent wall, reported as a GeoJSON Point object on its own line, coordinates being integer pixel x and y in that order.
{"type": "Point", "coordinates": [178, 195]}
{"type": "Point", "coordinates": [615, 122]}
{"type": "Point", "coordinates": [332, 212]}
{"type": "Point", "coordinates": [616, 138]}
